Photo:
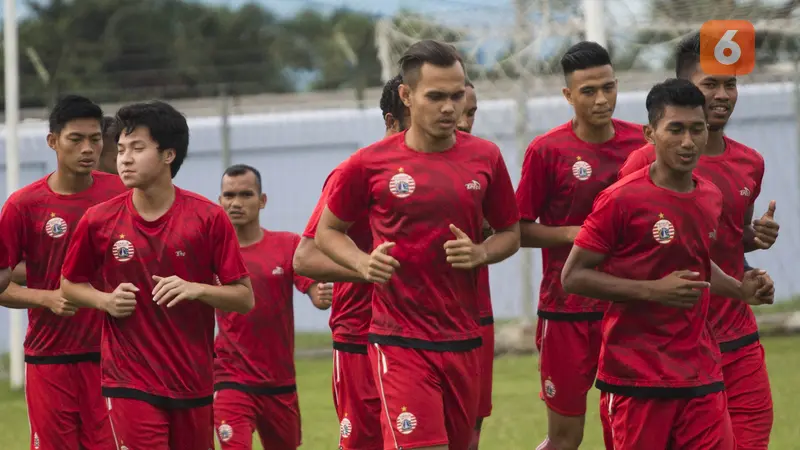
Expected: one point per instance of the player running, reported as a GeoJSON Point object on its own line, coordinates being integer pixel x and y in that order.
{"type": "Point", "coordinates": [562, 172]}
{"type": "Point", "coordinates": [255, 383]}
{"type": "Point", "coordinates": [355, 395]}
{"type": "Point", "coordinates": [651, 236]}
{"type": "Point", "coordinates": [420, 189]}
{"type": "Point", "coordinates": [62, 345]}
{"type": "Point", "coordinates": [737, 171]}
{"type": "Point", "coordinates": [159, 250]}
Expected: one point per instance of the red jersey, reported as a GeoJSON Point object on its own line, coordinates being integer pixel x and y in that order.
{"type": "Point", "coordinates": [242, 359]}
{"type": "Point", "coordinates": [484, 297]}
{"type": "Point", "coordinates": [159, 355]}
{"type": "Point", "coordinates": [412, 198]}
{"type": "Point", "coordinates": [647, 232]}
{"type": "Point", "coordinates": [351, 309]}
{"type": "Point", "coordinates": [37, 225]}
{"type": "Point", "coordinates": [737, 173]}
{"type": "Point", "coordinates": [561, 176]}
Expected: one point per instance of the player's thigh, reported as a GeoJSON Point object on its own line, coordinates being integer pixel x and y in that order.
{"type": "Point", "coordinates": [51, 394]}
{"type": "Point", "coordinates": [487, 371]}
{"type": "Point", "coordinates": [568, 355]}
{"type": "Point", "coordinates": [95, 427]}
{"type": "Point", "coordinates": [749, 396]}
{"type": "Point", "coordinates": [278, 421]}
{"type": "Point", "coordinates": [704, 423]}
{"type": "Point", "coordinates": [639, 424]}
{"type": "Point", "coordinates": [235, 419]}
{"type": "Point", "coordinates": [192, 428]}
{"type": "Point", "coordinates": [412, 402]}
{"type": "Point", "coordinates": [136, 424]}
{"type": "Point", "coordinates": [461, 389]}
{"type": "Point", "coordinates": [358, 404]}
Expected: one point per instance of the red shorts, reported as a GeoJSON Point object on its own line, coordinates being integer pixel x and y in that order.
{"type": "Point", "coordinates": [487, 367]}
{"type": "Point", "coordinates": [66, 408]}
{"type": "Point", "coordinates": [137, 424]}
{"type": "Point", "coordinates": [238, 414]}
{"type": "Point", "coordinates": [700, 423]}
{"type": "Point", "coordinates": [428, 398]}
{"type": "Point", "coordinates": [357, 403]}
{"type": "Point", "coordinates": [568, 356]}
{"type": "Point", "coordinates": [749, 396]}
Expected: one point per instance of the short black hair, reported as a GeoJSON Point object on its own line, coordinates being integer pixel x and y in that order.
{"type": "Point", "coordinates": [109, 125]}
{"type": "Point", "coordinates": [73, 107]}
{"type": "Point", "coordinates": [427, 51]}
{"type": "Point", "coordinates": [672, 92]}
{"type": "Point", "coordinates": [166, 124]}
{"type": "Point", "coordinates": [390, 99]}
{"type": "Point", "coordinates": [687, 55]}
{"type": "Point", "coordinates": [238, 170]}
{"type": "Point", "coordinates": [584, 55]}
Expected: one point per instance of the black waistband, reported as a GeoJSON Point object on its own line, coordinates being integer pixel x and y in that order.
{"type": "Point", "coordinates": [157, 400]}
{"type": "Point", "coordinates": [256, 390]}
{"type": "Point", "coordinates": [736, 344]}
{"type": "Point", "coordinates": [438, 346]}
{"type": "Point", "coordinates": [590, 316]}
{"type": "Point", "coordinates": [63, 359]}
{"type": "Point", "coordinates": [347, 347]}
{"type": "Point", "coordinates": [661, 392]}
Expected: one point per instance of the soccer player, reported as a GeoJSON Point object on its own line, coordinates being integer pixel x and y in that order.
{"type": "Point", "coordinates": [562, 172]}
{"type": "Point", "coordinates": [467, 119]}
{"type": "Point", "coordinates": [160, 251]}
{"type": "Point", "coordinates": [108, 157]}
{"type": "Point", "coordinates": [646, 247]}
{"type": "Point", "coordinates": [737, 171]}
{"type": "Point", "coordinates": [355, 395]}
{"type": "Point", "coordinates": [62, 345]}
{"type": "Point", "coordinates": [426, 192]}
{"type": "Point", "coordinates": [255, 383]}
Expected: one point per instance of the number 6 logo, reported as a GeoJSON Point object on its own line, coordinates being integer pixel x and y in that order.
{"type": "Point", "coordinates": [727, 47]}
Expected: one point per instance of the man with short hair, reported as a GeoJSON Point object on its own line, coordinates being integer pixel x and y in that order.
{"type": "Point", "coordinates": [395, 113]}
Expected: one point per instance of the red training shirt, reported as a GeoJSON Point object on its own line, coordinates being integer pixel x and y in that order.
{"type": "Point", "coordinates": [738, 173]}
{"type": "Point", "coordinates": [37, 225]}
{"type": "Point", "coordinates": [412, 198]}
{"type": "Point", "coordinates": [648, 232]}
{"type": "Point", "coordinates": [158, 355]}
{"type": "Point", "coordinates": [255, 351]}
{"type": "Point", "coordinates": [561, 176]}
{"type": "Point", "coordinates": [351, 309]}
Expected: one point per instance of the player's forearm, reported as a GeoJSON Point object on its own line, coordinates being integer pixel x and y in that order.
{"type": "Point", "coordinates": [19, 274]}
{"type": "Point", "coordinates": [5, 278]}
{"type": "Point", "coordinates": [501, 245]}
{"type": "Point", "coordinates": [338, 246]}
{"type": "Point", "coordinates": [18, 297]}
{"type": "Point", "coordinates": [236, 297]}
{"type": "Point", "coordinates": [724, 285]}
{"type": "Point", "coordinates": [749, 239]}
{"type": "Point", "coordinates": [588, 282]}
{"type": "Point", "coordinates": [83, 295]}
{"type": "Point", "coordinates": [310, 262]}
{"type": "Point", "coordinates": [536, 235]}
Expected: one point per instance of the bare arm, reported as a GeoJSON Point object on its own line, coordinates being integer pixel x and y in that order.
{"type": "Point", "coordinates": [724, 285]}
{"type": "Point", "coordinates": [502, 244]}
{"type": "Point", "coordinates": [84, 295]}
{"type": "Point", "coordinates": [234, 297]}
{"type": "Point", "coordinates": [536, 235]}
{"type": "Point", "coordinates": [580, 277]}
{"type": "Point", "coordinates": [333, 241]}
{"type": "Point", "coordinates": [18, 297]}
{"type": "Point", "coordinates": [5, 278]}
{"type": "Point", "coordinates": [309, 261]}
{"type": "Point", "coordinates": [19, 274]}
{"type": "Point", "coordinates": [748, 238]}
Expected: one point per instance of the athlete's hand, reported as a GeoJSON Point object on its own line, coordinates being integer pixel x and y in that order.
{"type": "Point", "coordinates": [122, 302]}
{"type": "Point", "coordinates": [172, 290]}
{"type": "Point", "coordinates": [379, 266]}
{"type": "Point", "coordinates": [679, 289]}
{"type": "Point", "coordinates": [58, 305]}
{"type": "Point", "coordinates": [766, 228]}
{"type": "Point", "coordinates": [758, 288]}
{"type": "Point", "coordinates": [462, 253]}
{"type": "Point", "coordinates": [322, 295]}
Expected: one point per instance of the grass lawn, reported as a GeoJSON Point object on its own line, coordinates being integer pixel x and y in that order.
{"type": "Point", "coordinates": [518, 421]}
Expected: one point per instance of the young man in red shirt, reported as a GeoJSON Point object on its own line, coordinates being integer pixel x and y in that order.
{"type": "Point", "coordinates": [646, 247]}
{"type": "Point", "coordinates": [355, 395]}
{"type": "Point", "coordinates": [254, 383]}
{"type": "Point", "coordinates": [563, 170]}
{"type": "Point", "coordinates": [167, 258]}
{"type": "Point", "coordinates": [420, 189]}
{"type": "Point", "coordinates": [62, 345]}
{"type": "Point", "coordinates": [737, 170]}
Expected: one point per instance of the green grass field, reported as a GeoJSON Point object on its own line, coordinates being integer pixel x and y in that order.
{"type": "Point", "coordinates": [518, 421]}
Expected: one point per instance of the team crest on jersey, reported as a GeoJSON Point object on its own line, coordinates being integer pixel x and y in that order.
{"type": "Point", "coordinates": [56, 227]}
{"type": "Point", "coordinates": [406, 422]}
{"type": "Point", "coordinates": [225, 432]}
{"type": "Point", "coordinates": [581, 169]}
{"type": "Point", "coordinates": [122, 249]}
{"type": "Point", "coordinates": [402, 184]}
{"type": "Point", "coordinates": [549, 388]}
{"type": "Point", "coordinates": [345, 428]}
{"type": "Point", "coordinates": [36, 442]}
{"type": "Point", "coordinates": [277, 271]}
{"type": "Point", "coordinates": [663, 230]}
